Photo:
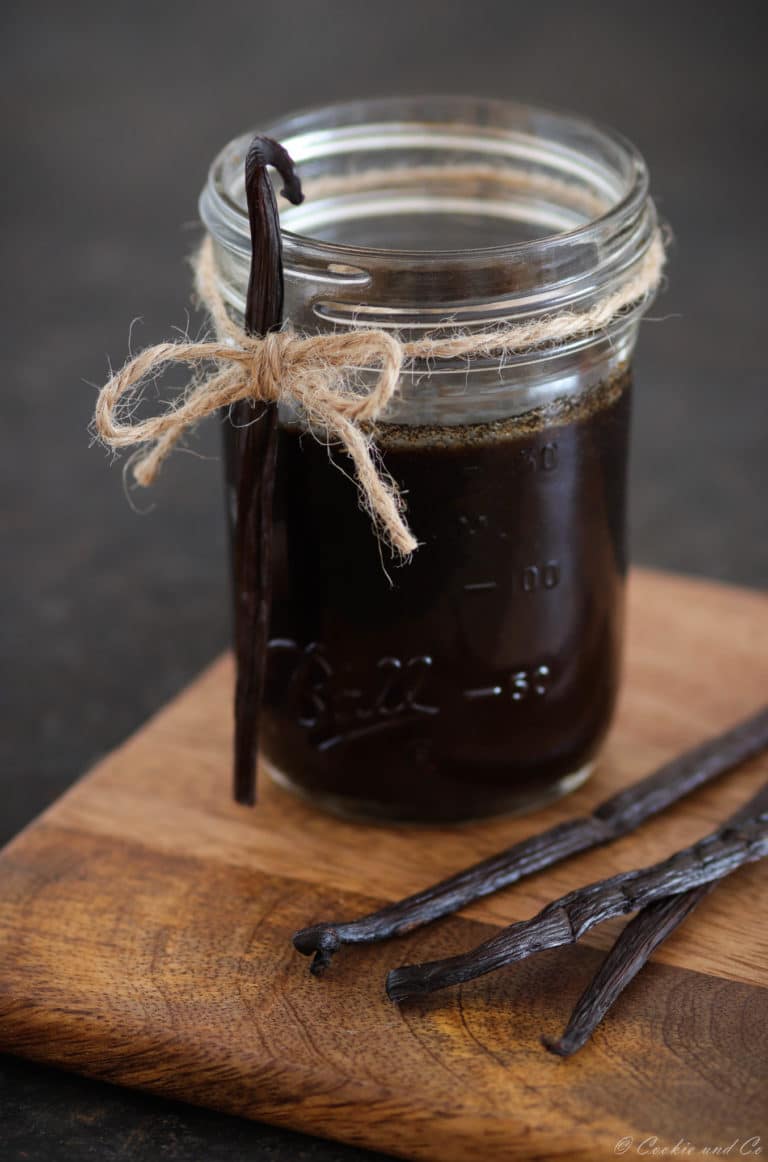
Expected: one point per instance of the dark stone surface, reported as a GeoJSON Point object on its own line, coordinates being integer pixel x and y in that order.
{"type": "Point", "coordinates": [112, 112]}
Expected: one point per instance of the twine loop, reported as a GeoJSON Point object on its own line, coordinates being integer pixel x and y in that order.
{"type": "Point", "coordinates": [318, 375]}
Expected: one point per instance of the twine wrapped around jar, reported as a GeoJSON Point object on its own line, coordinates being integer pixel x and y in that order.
{"type": "Point", "coordinates": [317, 374]}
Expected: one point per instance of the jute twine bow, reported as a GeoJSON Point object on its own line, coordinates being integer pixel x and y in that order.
{"type": "Point", "coordinates": [315, 373]}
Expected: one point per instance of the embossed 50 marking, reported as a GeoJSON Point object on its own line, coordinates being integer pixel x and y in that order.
{"type": "Point", "coordinates": [520, 685]}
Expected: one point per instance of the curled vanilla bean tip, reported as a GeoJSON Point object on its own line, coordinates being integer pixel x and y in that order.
{"type": "Point", "coordinates": [320, 962]}
{"type": "Point", "coordinates": [320, 940]}
{"type": "Point", "coordinates": [264, 151]}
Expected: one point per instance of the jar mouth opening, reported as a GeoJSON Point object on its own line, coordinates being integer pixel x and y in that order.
{"type": "Point", "coordinates": [511, 182]}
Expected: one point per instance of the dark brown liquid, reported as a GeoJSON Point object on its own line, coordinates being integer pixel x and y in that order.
{"type": "Point", "coordinates": [486, 671]}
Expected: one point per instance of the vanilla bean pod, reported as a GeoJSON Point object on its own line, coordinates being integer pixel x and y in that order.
{"type": "Point", "coordinates": [566, 920]}
{"type": "Point", "coordinates": [612, 819]}
{"type": "Point", "coordinates": [638, 940]}
{"type": "Point", "coordinates": [633, 948]}
{"type": "Point", "coordinates": [255, 458]}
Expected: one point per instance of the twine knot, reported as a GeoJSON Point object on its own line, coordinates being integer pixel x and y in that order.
{"type": "Point", "coordinates": [319, 376]}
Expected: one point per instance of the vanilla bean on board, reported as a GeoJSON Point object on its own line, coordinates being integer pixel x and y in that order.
{"type": "Point", "coordinates": [612, 819]}
{"type": "Point", "coordinates": [633, 948]}
{"type": "Point", "coordinates": [255, 459]}
{"type": "Point", "coordinates": [566, 920]}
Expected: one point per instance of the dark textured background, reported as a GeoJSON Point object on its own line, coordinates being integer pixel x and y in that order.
{"type": "Point", "coordinates": [111, 114]}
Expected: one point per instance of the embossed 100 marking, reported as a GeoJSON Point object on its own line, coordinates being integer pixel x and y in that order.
{"type": "Point", "coordinates": [545, 576]}
{"type": "Point", "coordinates": [526, 579]}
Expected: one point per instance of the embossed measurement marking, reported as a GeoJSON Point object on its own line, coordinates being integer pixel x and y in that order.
{"type": "Point", "coordinates": [526, 579]}
{"type": "Point", "coordinates": [483, 692]}
{"type": "Point", "coordinates": [473, 523]}
{"type": "Point", "coordinates": [521, 684]}
{"type": "Point", "coordinates": [541, 459]}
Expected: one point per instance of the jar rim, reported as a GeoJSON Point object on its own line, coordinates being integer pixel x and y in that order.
{"type": "Point", "coordinates": [226, 217]}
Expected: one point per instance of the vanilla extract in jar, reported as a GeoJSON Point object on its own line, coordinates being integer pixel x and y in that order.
{"type": "Point", "coordinates": [481, 676]}
{"type": "Point", "coordinates": [484, 676]}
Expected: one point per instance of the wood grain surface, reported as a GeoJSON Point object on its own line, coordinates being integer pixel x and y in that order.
{"type": "Point", "coordinates": [145, 925]}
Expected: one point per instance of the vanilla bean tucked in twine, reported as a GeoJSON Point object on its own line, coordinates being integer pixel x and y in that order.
{"type": "Point", "coordinates": [316, 373]}
{"type": "Point", "coordinates": [253, 460]}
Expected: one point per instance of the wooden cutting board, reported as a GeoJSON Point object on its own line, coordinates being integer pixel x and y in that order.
{"type": "Point", "coordinates": [145, 925]}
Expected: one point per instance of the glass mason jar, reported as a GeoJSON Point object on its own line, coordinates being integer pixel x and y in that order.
{"type": "Point", "coordinates": [481, 676]}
